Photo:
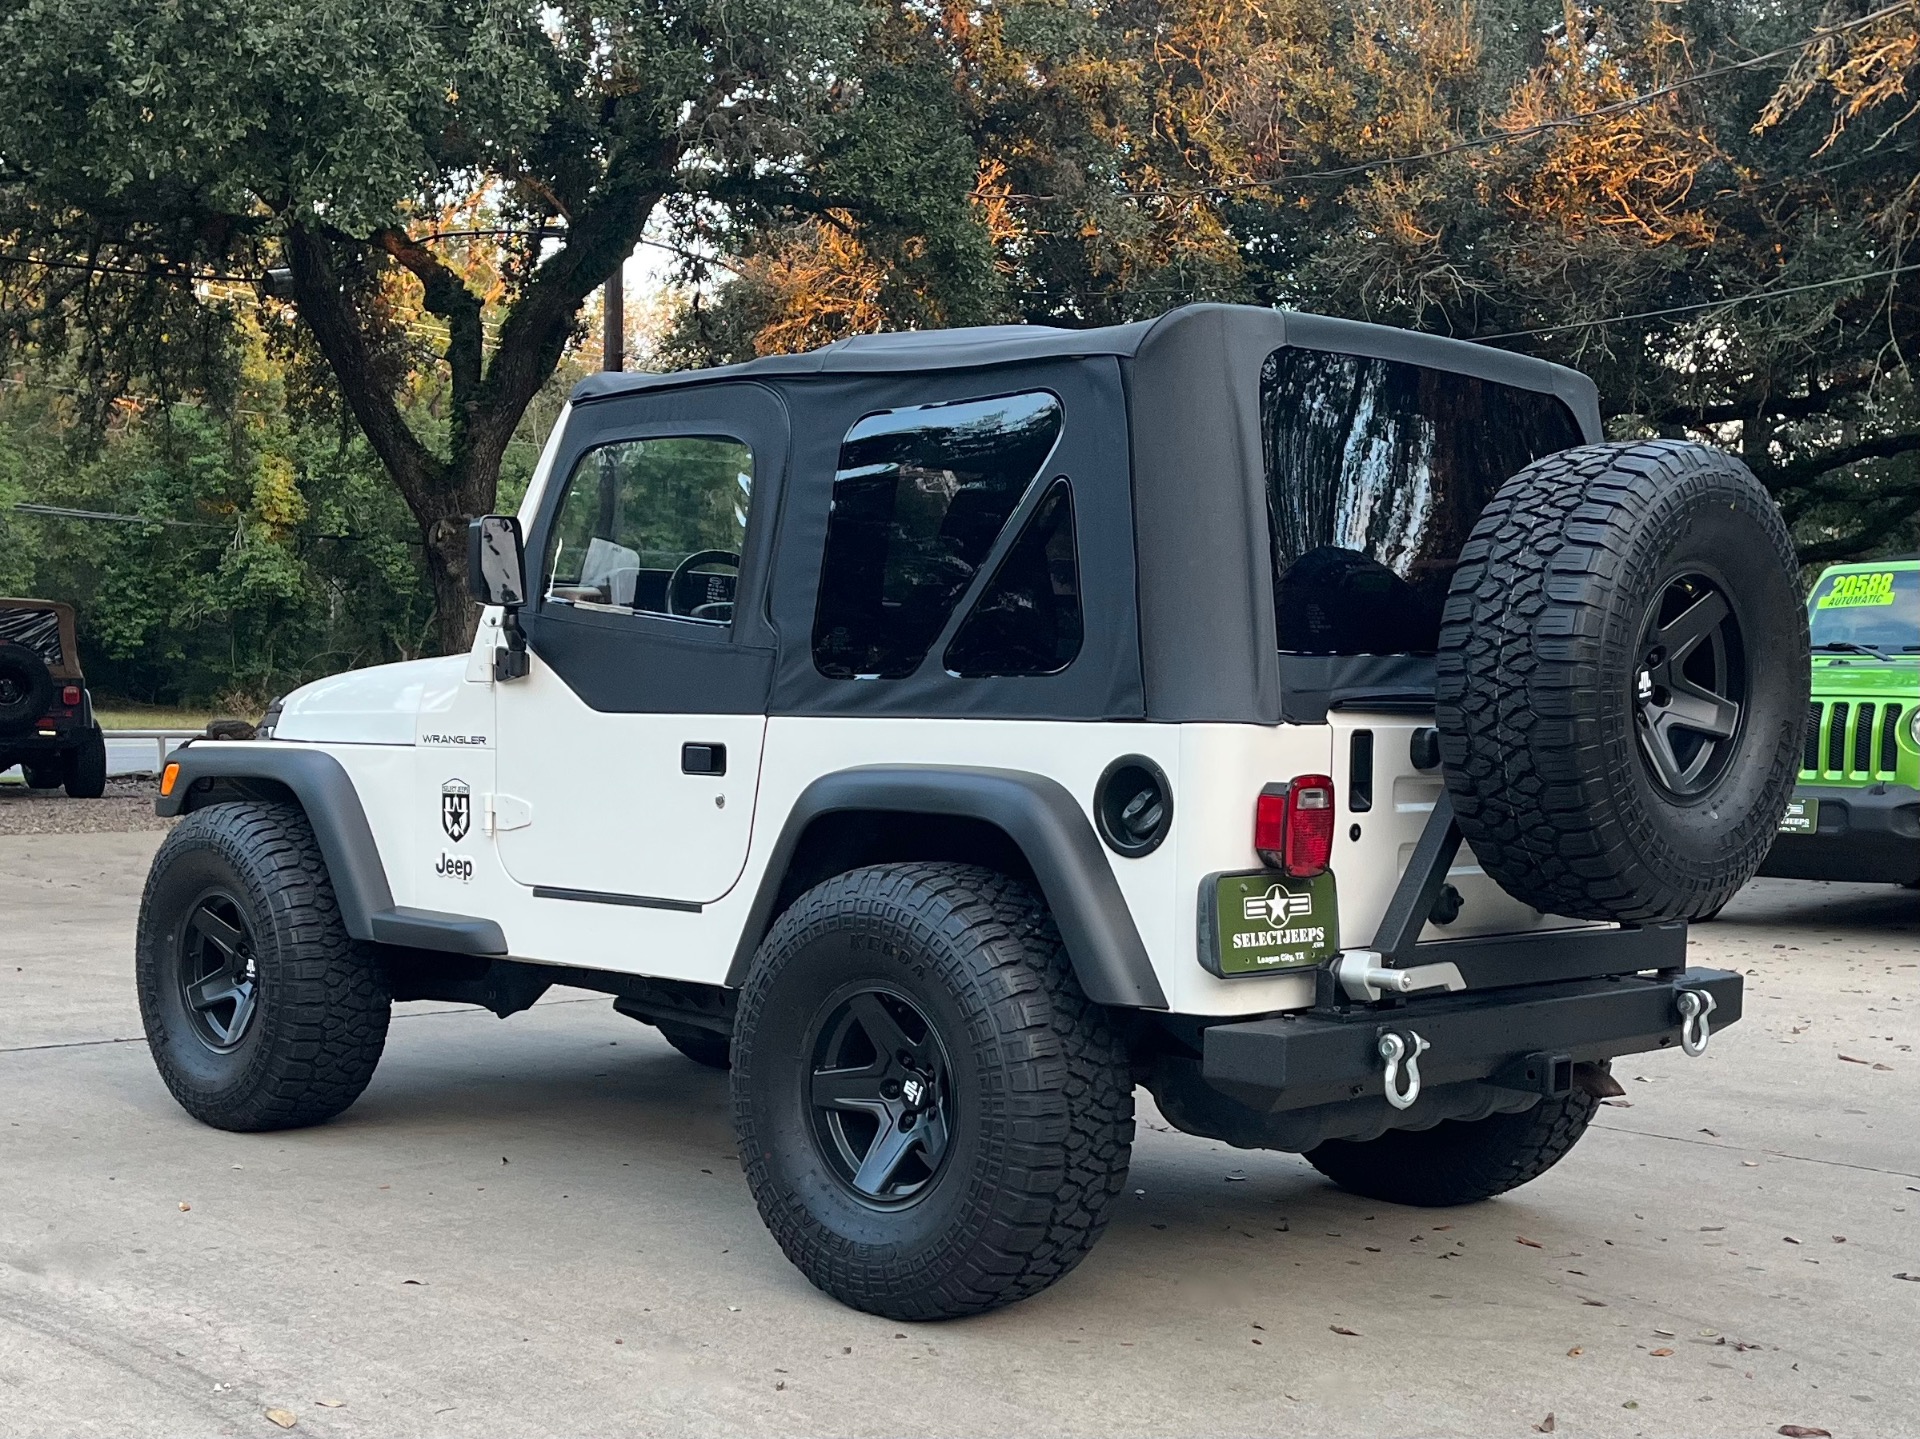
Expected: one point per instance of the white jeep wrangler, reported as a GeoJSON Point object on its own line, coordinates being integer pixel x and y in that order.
{"type": "Point", "coordinates": [1310, 721]}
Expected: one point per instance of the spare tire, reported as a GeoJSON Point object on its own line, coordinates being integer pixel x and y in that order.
{"type": "Point", "coordinates": [1622, 681]}
{"type": "Point", "coordinates": [26, 688]}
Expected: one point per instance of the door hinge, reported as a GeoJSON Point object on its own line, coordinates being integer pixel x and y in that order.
{"type": "Point", "coordinates": [506, 812]}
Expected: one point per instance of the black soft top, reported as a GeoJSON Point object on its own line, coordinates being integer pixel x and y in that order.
{"type": "Point", "coordinates": [1181, 336]}
{"type": "Point", "coordinates": [1173, 406]}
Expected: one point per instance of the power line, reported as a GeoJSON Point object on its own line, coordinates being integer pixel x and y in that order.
{"type": "Point", "coordinates": [1504, 137]}
{"type": "Point", "coordinates": [60, 512]}
{"type": "Point", "coordinates": [1697, 305]}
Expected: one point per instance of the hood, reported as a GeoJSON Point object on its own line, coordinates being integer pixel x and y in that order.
{"type": "Point", "coordinates": [372, 706]}
{"type": "Point", "coordinates": [1848, 676]}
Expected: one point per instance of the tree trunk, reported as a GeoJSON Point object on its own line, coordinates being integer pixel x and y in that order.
{"type": "Point", "coordinates": [443, 514]}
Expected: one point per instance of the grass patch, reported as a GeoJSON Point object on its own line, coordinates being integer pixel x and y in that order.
{"type": "Point", "coordinates": [135, 717]}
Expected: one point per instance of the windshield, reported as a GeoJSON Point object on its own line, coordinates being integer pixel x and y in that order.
{"type": "Point", "coordinates": [1871, 609]}
{"type": "Point", "coordinates": [1376, 472]}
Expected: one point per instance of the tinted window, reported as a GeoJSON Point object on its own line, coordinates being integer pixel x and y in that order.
{"type": "Point", "coordinates": [918, 500]}
{"type": "Point", "coordinates": [38, 630]}
{"type": "Point", "coordinates": [1027, 619]}
{"type": "Point", "coordinates": [1876, 608]}
{"type": "Point", "coordinates": [653, 527]}
{"type": "Point", "coordinates": [1376, 472]}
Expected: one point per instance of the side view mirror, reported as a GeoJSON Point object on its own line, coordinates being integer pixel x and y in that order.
{"type": "Point", "coordinates": [497, 575]}
{"type": "Point", "coordinates": [496, 561]}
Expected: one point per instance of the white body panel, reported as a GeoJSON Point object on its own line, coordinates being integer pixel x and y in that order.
{"type": "Point", "coordinates": [1369, 867]}
{"type": "Point", "coordinates": [612, 810]}
{"type": "Point", "coordinates": [477, 792]}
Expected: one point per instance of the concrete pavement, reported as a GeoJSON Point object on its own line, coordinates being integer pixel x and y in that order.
{"type": "Point", "coordinates": [538, 1226]}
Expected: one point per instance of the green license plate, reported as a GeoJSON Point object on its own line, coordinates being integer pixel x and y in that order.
{"type": "Point", "coordinates": [1802, 817]}
{"type": "Point", "coordinates": [1261, 922]}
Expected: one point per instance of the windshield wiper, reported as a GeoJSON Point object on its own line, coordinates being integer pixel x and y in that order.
{"type": "Point", "coordinates": [1849, 647]}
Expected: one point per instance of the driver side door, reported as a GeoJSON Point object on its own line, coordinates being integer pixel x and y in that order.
{"type": "Point", "coordinates": [629, 755]}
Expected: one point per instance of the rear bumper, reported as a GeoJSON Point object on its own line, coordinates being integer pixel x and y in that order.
{"type": "Point", "coordinates": [1870, 835]}
{"type": "Point", "coordinates": [1299, 1061]}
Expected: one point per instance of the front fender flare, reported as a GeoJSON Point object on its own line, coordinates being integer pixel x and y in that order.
{"type": "Point", "coordinates": [1037, 814]}
{"type": "Point", "coordinates": [320, 785]}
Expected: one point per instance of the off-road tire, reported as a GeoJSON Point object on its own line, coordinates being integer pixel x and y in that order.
{"type": "Point", "coordinates": [1042, 1125]}
{"type": "Point", "coordinates": [702, 1046]}
{"type": "Point", "coordinates": [1458, 1161]}
{"type": "Point", "coordinates": [1542, 648]}
{"type": "Point", "coordinates": [26, 688]}
{"type": "Point", "coordinates": [321, 1001]}
{"type": "Point", "coordinates": [86, 767]}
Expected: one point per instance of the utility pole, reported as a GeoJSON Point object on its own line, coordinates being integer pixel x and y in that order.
{"type": "Point", "coordinates": [614, 343]}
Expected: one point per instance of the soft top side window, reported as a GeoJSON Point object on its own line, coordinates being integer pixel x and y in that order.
{"type": "Point", "coordinates": [1376, 472]}
{"type": "Point", "coordinates": [919, 497]}
{"type": "Point", "coordinates": [653, 526]}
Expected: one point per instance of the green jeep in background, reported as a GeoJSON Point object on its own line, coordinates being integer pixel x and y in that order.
{"type": "Point", "coordinates": [1855, 812]}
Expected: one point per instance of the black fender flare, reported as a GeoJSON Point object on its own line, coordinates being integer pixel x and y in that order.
{"type": "Point", "coordinates": [1037, 814]}
{"type": "Point", "coordinates": [319, 784]}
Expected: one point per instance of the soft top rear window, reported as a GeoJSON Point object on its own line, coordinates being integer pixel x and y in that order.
{"type": "Point", "coordinates": [38, 630]}
{"type": "Point", "coordinates": [1376, 472]}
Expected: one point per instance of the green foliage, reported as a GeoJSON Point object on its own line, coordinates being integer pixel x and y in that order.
{"type": "Point", "coordinates": [288, 556]}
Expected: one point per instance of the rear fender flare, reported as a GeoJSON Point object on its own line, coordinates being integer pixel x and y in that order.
{"type": "Point", "coordinates": [1036, 813]}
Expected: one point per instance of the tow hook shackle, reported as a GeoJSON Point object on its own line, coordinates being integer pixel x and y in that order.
{"type": "Point", "coordinates": [1396, 1051]}
{"type": "Point", "coordinates": [1694, 1006]}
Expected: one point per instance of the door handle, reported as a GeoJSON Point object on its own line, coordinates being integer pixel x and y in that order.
{"type": "Point", "coordinates": [705, 759]}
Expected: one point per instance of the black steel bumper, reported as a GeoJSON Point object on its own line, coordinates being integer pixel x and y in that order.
{"type": "Point", "coordinates": [1507, 1037]}
{"type": "Point", "coordinates": [1869, 835]}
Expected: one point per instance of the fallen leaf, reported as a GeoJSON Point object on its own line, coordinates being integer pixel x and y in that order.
{"type": "Point", "coordinates": [283, 1417]}
{"type": "Point", "coordinates": [184, 1206]}
{"type": "Point", "coordinates": [1545, 1426]}
{"type": "Point", "coordinates": [1788, 1239]}
{"type": "Point", "coordinates": [1618, 1103]}
{"type": "Point", "coordinates": [1663, 1354]}
{"type": "Point", "coordinates": [1664, 1333]}
{"type": "Point", "coordinates": [1848, 1058]}
{"type": "Point", "coordinates": [1839, 1239]}
{"type": "Point", "coordinates": [1749, 1164]}
{"type": "Point", "coordinates": [1712, 1228]}
{"type": "Point", "coordinates": [1710, 1132]}
{"type": "Point", "coordinates": [1342, 1329]}
{"type": "Point", "coordinates": [1235, 1176]}
{"type": "Point", "coordinates": [1594, 1303]}
{"type": "Point", "coordinates": [1575, 1352]}
{"type": "Point", "coordinates": [331, 1403]}
{"type": "Point", "coordinates": [1910, 1278]}
{"type": "Point", "coordinates": [1530, 1243]}
{"type": "Point", "coordinates": [1888, 1068]}
{"type": "Point", "coordinates": [421, 1282]}
{"type": "Point", "coordinates": [1802, 1431]}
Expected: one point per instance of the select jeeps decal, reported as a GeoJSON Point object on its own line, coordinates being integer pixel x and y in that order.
{"type": "Point", "coordinates": [456, 809]}
{"type": "Point", "coordinates": [1259, 922]}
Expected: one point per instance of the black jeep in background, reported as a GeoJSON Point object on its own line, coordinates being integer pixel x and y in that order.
{"type": "Point", "coordinates": [46, 714]}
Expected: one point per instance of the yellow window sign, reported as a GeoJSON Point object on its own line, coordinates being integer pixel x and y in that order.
{"type": "Point", "coordinates": [1858, 591]}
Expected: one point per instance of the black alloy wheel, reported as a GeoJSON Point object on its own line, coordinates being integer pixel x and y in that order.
{"type": "Point", "coordinates": [217, 973]}
{"type": "Point", "coordinates": [881, 1095]}
{"type": "Point", "coordinates": [1690, 688]}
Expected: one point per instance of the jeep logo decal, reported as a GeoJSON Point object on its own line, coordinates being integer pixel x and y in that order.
{"type": "Point", "coordinates": [456, 809]}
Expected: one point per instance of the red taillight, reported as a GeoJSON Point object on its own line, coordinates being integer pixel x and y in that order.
{"type": "Point", "coordinates": [1293, 825]}
{"type": "Point", "coordinates": [70, 695]}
